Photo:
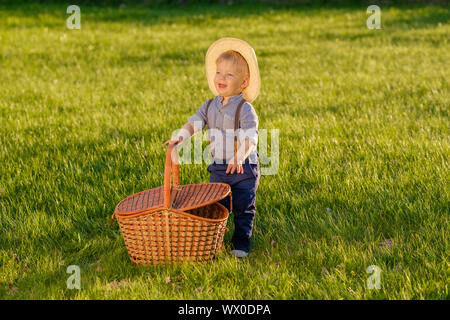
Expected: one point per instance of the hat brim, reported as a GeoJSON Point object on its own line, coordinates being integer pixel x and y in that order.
{"type": "Point", "coordinates": [217, 48]}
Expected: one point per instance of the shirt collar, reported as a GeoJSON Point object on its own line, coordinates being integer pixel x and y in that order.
{"type": "Point", "coordinates": [233, 99]}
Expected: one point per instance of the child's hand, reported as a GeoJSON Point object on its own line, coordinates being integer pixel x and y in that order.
{"type": "Point", "coordinates": [172, 141]}
{"type": "Point", "coordinates": [183, 135]}
{"type": "Point", "coordinates": [235, 165]}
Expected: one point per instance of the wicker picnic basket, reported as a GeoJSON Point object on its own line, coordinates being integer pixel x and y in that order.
{"type": "Point", "coordinates": [174, 223]}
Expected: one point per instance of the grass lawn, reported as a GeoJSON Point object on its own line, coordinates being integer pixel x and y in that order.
{"type": "Point", "coordinates": [363, 173]}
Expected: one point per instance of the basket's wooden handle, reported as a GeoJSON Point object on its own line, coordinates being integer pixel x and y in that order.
{"type": "Point", "coordinates": [111, 221]}
{"type": "Point", "coordinates": [170, 169]}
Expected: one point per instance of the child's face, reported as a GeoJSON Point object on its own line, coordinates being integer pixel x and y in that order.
{"type": "Point", "coordinates": [229, 80]}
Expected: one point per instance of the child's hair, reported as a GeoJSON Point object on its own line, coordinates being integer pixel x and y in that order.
{"type": "Point", "coordinates": [237, 59]}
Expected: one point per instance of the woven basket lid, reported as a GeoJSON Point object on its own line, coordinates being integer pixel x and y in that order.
{"type": "Point", "coordinates": [184, 197]}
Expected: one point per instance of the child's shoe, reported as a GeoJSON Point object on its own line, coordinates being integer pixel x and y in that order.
{"type": "Point", "coordinates": [239, 253]}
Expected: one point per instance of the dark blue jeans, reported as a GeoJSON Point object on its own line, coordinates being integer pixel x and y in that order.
{"type": "Point", "coordinates": [243, 189]}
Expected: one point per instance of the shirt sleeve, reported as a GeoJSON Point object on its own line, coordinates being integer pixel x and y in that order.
{"type": "Point", "coordinates": [198, 119]}
{"type": "Point", "coordinates": [249, 124]}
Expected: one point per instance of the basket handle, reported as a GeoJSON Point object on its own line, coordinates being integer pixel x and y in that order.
{"type": "Point", "coordinates": [170, 170]}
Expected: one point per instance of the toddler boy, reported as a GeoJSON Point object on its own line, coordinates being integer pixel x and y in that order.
{"type": "Point", "coordinates": [233, 76]}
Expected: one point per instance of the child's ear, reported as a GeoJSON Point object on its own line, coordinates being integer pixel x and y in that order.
{"type": "Point", "coordinates": [246, 82]}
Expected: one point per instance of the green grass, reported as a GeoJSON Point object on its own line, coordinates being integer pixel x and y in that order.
{"type": "Point", "coordinates": [364, 132]}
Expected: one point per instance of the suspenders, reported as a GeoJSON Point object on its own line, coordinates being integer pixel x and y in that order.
{"type": "Point", "coordinates": [207, 108]}
{"type": "Point", "coordinates": [236, 120]}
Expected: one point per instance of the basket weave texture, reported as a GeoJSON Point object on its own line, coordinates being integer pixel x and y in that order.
{"type": "Point", "coordinates": [174, 223]}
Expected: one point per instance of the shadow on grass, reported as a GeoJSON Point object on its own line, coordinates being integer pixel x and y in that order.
{"type": "Point", "coordinates": [194, 14]}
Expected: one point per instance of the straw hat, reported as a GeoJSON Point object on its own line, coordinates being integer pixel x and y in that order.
{"type": "Point", "coordinates": [217, 48]}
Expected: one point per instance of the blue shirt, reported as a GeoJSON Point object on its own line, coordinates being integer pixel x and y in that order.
{"type": "Point", "coordinates": [221, 133]}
